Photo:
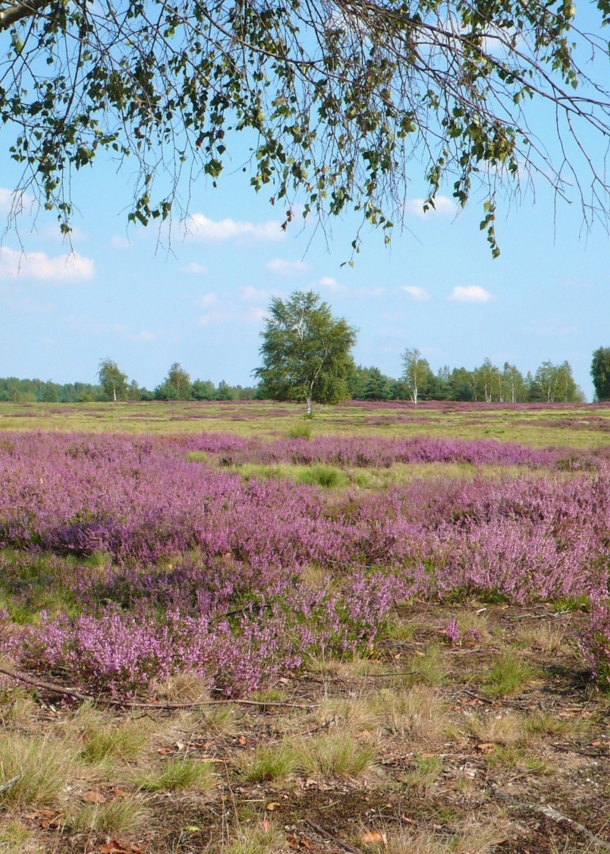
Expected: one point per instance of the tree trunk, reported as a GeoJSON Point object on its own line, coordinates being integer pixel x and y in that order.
{"type": "Point", "coordinates": [309, 407]}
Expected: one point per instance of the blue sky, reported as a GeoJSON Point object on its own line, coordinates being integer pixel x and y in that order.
{"type": "Point", "coordinates": [125, 294]}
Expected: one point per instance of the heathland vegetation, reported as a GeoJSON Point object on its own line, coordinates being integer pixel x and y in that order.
{"type": "Point", "coordinates": [378, 630]}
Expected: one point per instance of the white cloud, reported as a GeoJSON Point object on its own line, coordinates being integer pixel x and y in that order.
{"type": "Point", "coordinates": [38, 265]}
{"type": "Point", "coordinates": [199, 227]}
{"type": "Point", "coordinates": [553, 326]}
{"type": "Point", "coordinates": [443, 206]}
{"type": "Point", "coordinates": [194, 269]}
{"type": "Point", "coordinates": [416, 293]}
{"type": "Point", "coordinates": [119, 241]}
{"type": "Point", "coordinates": [332, 284]}
{"type": "Point", "coordinates": [206, 299]}
{"type": "Point", "coordinates": [470, 293]}
{"type": "Point", "coordinates": [251, 294]}
{"type": "Point", "coordinates": [287, 268]}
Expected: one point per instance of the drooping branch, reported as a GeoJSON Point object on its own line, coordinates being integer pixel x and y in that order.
{"type": "Point", "coordinates": [11, 14]}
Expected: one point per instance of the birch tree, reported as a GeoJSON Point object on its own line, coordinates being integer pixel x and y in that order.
{"type": "Point", "coordinates": [336, 101]}
{"type": "Point", "coordinates": [306, 352]}
{"type": "Point", "coordinates": [415, 372]}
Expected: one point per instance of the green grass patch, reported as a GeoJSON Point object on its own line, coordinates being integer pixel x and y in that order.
{"type": "Point", "coordinates": [507, 675]}
{"type": "Point", "coordinates": [176, 774]}
{"type": "Point", "coordinates": [267, 763]}
{"type": "Point", "coordinates": [300, 430]}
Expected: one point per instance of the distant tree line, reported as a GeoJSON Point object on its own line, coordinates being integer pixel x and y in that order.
{"type": "Point", "coordinates": [114, 385]}
{"type": "Point", "coordinates": [306, 355]}
{"type": "Point", "coordinates": [488, 383]}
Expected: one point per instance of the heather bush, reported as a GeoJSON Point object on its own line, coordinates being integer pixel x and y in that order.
{"type": "Point", "coordinates": [149, 564]}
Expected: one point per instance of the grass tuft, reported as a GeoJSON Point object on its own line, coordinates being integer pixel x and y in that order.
{"type": "Point", "coordinates": [507, 675]}
{"type": "Point", "coordinates": [118, 816]}
{"type": "Point", "coordinates": [102, 740]}
{"type": "Point", "coordinates": [175, 774]}
{"type": "Point", "coordinates": [329, 477]}
{"type": "Point", "coordinates": [44, 767]}
{"type": "Point", "coordinates": [300, 431]}
{"type": "Point", "coordinates": [335, 755]}
{"type": "Point", "coordinates": [270, 763]}
{"type": "Point", "coordinates": [262, 839]}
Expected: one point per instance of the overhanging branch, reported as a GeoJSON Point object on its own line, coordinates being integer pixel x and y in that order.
{"type": "Point", "coordinates": [11, 14]}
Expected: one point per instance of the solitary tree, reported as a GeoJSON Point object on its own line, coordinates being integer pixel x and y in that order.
{"type": "Point", "coordinates": [176, 385]}
{"type": "Point", "coordinates": [335, 98]}
{"type": "Point", "coordinates": [112, 380]}
{"type": "Point", "coordinates": [600, 371]}
{"type": "Point", "coordinates": [306, 352]}
{"type": "Point", "coordinates": [416, 372]}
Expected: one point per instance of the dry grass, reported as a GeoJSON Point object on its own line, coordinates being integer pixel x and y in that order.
{"type": "Point", "coordinates": [549, 637]}
{"type": "Point", "coordinates": [334, 755]}
{"type": "Point", "coordinates": [262, 838]}
{"type": "Point", "coordinates": [473, 838]}
{"type": "Point", "coordinates": [103, 739]}
{"type": "Point", "coordinates": [14, 837]}
{"type": "Point", "coordinates": [503, 728]}
{"type": "Point", "coordinates": [417, 715]}
{"type": "Point", "coordinates": [121, 815]}
{"type": "Point", "coordinates": [44, 766]}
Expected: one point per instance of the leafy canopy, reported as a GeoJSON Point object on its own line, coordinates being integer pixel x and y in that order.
{"type": "Point", "coordinates": [306, 352]}
{"type": "Point", "coordinates": [339, 101]}
{"type": "Point", "coordinates": [112, 380]}
{"type": "Point", "coordinates": [600, 371]}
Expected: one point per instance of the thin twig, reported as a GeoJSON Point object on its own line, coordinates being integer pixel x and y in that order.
{"type": "Point", "coordinates": [554, 815]}
{"type": "Point", "coordinates": [339, 842]}
{"type": "Point", "coordinates": [79, 695]}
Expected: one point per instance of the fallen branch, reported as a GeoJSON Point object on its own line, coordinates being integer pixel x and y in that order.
{"type": "Point", "coordinates": [554, 815]}
{"type": "Point", "coordinates": [340, 843]}
{"type": "Point", "coordinates": [161, 706]}
{"type": "Point", "coordinates": [47, 686]}
{"type": "Point", "coordinates": [79, 695]}
{"type": "Point", "coordinates": [595, 754]}
{"type": "Point", "coordinates": [10, 783]}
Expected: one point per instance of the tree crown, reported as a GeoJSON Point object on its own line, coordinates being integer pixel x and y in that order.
{"type": "Point", "coordinates": [306, 352]}
{"type": "Point", "coordinates": [335, 99]}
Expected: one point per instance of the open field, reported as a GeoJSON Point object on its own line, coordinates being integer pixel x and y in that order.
{"type": "Point", "coordinates": [539, 425]}
{"type": "Point", "coordinates": [236, 631]}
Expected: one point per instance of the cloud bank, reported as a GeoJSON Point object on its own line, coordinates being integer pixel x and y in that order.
{"type": "Point", "coordinates": [200, 227]}
{"type": "Point", "coordinates": [38, 265]}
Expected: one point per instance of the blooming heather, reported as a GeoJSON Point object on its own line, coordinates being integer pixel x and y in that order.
{"type": "Point", "coordinates": [238, 580]}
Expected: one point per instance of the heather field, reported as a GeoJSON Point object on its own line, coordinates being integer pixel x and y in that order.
{"type": "Point", "coordinates": [233, 630]}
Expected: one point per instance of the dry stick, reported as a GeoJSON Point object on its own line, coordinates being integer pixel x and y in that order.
{"type": "Point", "coordinates": [262, 703]}
{"type": "Point", "coordinates": [48, 686]}
{"type": "Point", "coordinates": [554, 815]}
{"type": "Point", "coordinates": [339, 842]}
{"type": "Point", "coordinates": [78, 695]}
{"type": "Point", "coordinates": [10, 783]}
